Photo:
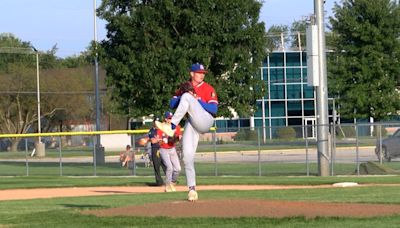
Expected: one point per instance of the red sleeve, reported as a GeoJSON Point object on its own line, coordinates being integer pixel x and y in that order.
{"type": "Point", "coordinates": [178, 131]}
{"type": "Point", "coordinates": [213, 96]}
{"type": "Point", "coordinates": [159, 133]}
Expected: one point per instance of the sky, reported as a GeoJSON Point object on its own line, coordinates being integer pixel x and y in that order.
{"type": "Point", "coordinates": [69, 24]}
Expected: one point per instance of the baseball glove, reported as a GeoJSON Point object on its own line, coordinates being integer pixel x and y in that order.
{"type": "Point", "coordinates": [173, 139]}
{"type": "Point", "coordinates": [186, 87]}
{"type": "Point", "coordinates": [143, 141]}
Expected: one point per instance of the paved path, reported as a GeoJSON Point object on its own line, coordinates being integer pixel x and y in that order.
{"type": "Point", "coordinates": [343, 155]}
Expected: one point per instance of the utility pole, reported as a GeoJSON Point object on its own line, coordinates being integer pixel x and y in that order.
{"type": "Point", "coordinates": [322, 94]}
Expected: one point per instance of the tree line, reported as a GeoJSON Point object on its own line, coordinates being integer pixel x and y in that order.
{"type": "Point", "coordinates": [66, 86]}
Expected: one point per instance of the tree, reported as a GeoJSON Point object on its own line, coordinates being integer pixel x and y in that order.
{"type": "Point", "coordinates": [150, 46]}
{"type": "Point", "coordinates": [60, 90]}
{"type": "Point", "coordinates": [77, 61]}
{"type": "Point", "coordinates": [364, 69]}
{"type": "Point", "coordinates": [275, 35]}
{"type": "Point", "coordinates": [298, 30]}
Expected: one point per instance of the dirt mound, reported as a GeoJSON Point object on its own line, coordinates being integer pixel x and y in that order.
{"type": "Point", "coordinates": [250, 208]}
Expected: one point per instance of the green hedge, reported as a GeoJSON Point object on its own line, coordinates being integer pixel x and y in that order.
{"type": "Point", "coordinates": [286, 133]}
{"type": "Point", "coordinates": [383, 131]}
{"type": "Point", "coordinates": [346, 132]}
{"type": "Point", "coordinates": [246, 135]}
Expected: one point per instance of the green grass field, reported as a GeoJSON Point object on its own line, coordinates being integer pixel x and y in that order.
{"type": "Point", "coordinates": [12, 168]}
{"type": "Point", "coordinates": [64, 212]}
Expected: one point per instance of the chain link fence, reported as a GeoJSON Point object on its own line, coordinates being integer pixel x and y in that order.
{"type": "Point", "coordinates": [354, 149]}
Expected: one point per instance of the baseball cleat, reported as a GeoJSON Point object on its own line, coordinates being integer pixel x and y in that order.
{"type": "Point", "coordinates": [168, 188]}
{"type": "Point", "coordinates": [172, 187]}
{"type": "Point", "coordinates": [165, 127]}
{"type": "Point", "coordinates": [192, 196]}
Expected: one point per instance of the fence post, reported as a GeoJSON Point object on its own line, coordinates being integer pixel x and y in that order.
{"type": "Point", "coordinates": [333, 150]}
{"type": "Point", "coordinates": [133, 147]}
{"type": "Point", "coordinates": [215, 152]}
{"type": "Point", "coordinates": [357, 152]}
{"type": "Point", "coordinates": [307, 162]}
{"type": "Point", "coordinates": [330, 138]}
{"type": "Point", "coordinates": [60, 155]}
{"type": "Point", "coordinates": [94, 155]}
{"type": "Point", "coordinates": [134, 162]}
{"type": "Point", "coordinates": [26, 157]}
{"type": "Point", "coordinates": [259, 151]}
{"type": "Point", "coordinates": [380, 145]}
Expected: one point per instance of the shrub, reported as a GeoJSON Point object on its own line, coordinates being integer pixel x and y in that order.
{"type": "Point", "coordinates": [246, 135]}
{"type": "Point", "coordinates": [219, 141]}
{"type": "Point", "coordinates": [345, 131]}
{"type": "Point", "coordinates": [286, 133]}
{"type": "Point", "coordinates": [383, 131]}
{"type": "Point", "coordinates": [252, 135]}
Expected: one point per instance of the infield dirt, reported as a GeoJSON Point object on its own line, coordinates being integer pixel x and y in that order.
{"type": "Point", "coordinates": [251, 208]}
{"type": "Point", "coordinates": [213, 208]}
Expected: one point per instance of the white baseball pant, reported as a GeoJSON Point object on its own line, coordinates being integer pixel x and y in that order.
{"type": "Point", "coordinates": [171, 160]}
{"type": "Point", "coordinates": [200, 121]}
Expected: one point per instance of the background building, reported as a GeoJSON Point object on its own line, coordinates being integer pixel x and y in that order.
{"type": "Point", "coordinates": [288, 100]}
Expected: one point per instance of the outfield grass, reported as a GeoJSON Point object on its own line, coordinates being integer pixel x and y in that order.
{"type": "Point", "coordinates": [12, 168]}
{"type": "Point", "coordinates": [64, 212]}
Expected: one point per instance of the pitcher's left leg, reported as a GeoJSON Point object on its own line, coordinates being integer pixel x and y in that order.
{"type": "Point", "coordinates": [190, 140]}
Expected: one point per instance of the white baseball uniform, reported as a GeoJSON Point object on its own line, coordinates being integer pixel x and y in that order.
{"type": "Point", "coordinates": [199, 121]}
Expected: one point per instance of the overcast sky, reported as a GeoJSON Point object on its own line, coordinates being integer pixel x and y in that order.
{"type": "Point", "coordinates": [70, 23]}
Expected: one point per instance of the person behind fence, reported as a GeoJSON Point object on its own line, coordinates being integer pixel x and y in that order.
{"type": "Point", "coordinates": [122, 156]}
{"type": "Point", "coordinates": [155, 154]}
{"type": "Point", "coordinates": [126, 157]}
{"type": "Point", "coordinates": [147, 155]}
{"type": "Point", "coordinates": [169, 155]}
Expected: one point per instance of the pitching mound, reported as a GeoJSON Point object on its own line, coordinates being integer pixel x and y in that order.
{"type": "Point", "coordinates": [251, 208]}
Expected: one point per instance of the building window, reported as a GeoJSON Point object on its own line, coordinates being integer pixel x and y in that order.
{"type": "Point", "coordinates": [294, 108]}
{"type": "Point", "coordinates": [304, 58]}
{"type": "Point", "coordinates": [277, 108]}
{"type": "Point", "coordinates": [293, 91]}
{"type": "Point", "coordinates": [258, 112]}
{"type": "Point", "coordinates": [309, 108]}
{"type": "Point", "coordinates": [293, 75]}
{"type": "Point", "coordinates": [276, 59]}
{"type": "Point", "coordinates": [293, 59]}
{"type": "Point", "coordinates": [308, 91]}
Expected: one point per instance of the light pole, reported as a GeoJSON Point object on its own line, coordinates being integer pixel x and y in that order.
{"type": "Point", "coordinates": [39, 146]}
{"type": "Point", "coordinates": [38, 91]}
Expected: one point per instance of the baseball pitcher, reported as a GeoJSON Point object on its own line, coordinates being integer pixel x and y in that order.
{"type": "Point", "coordinates": [199, 100]}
